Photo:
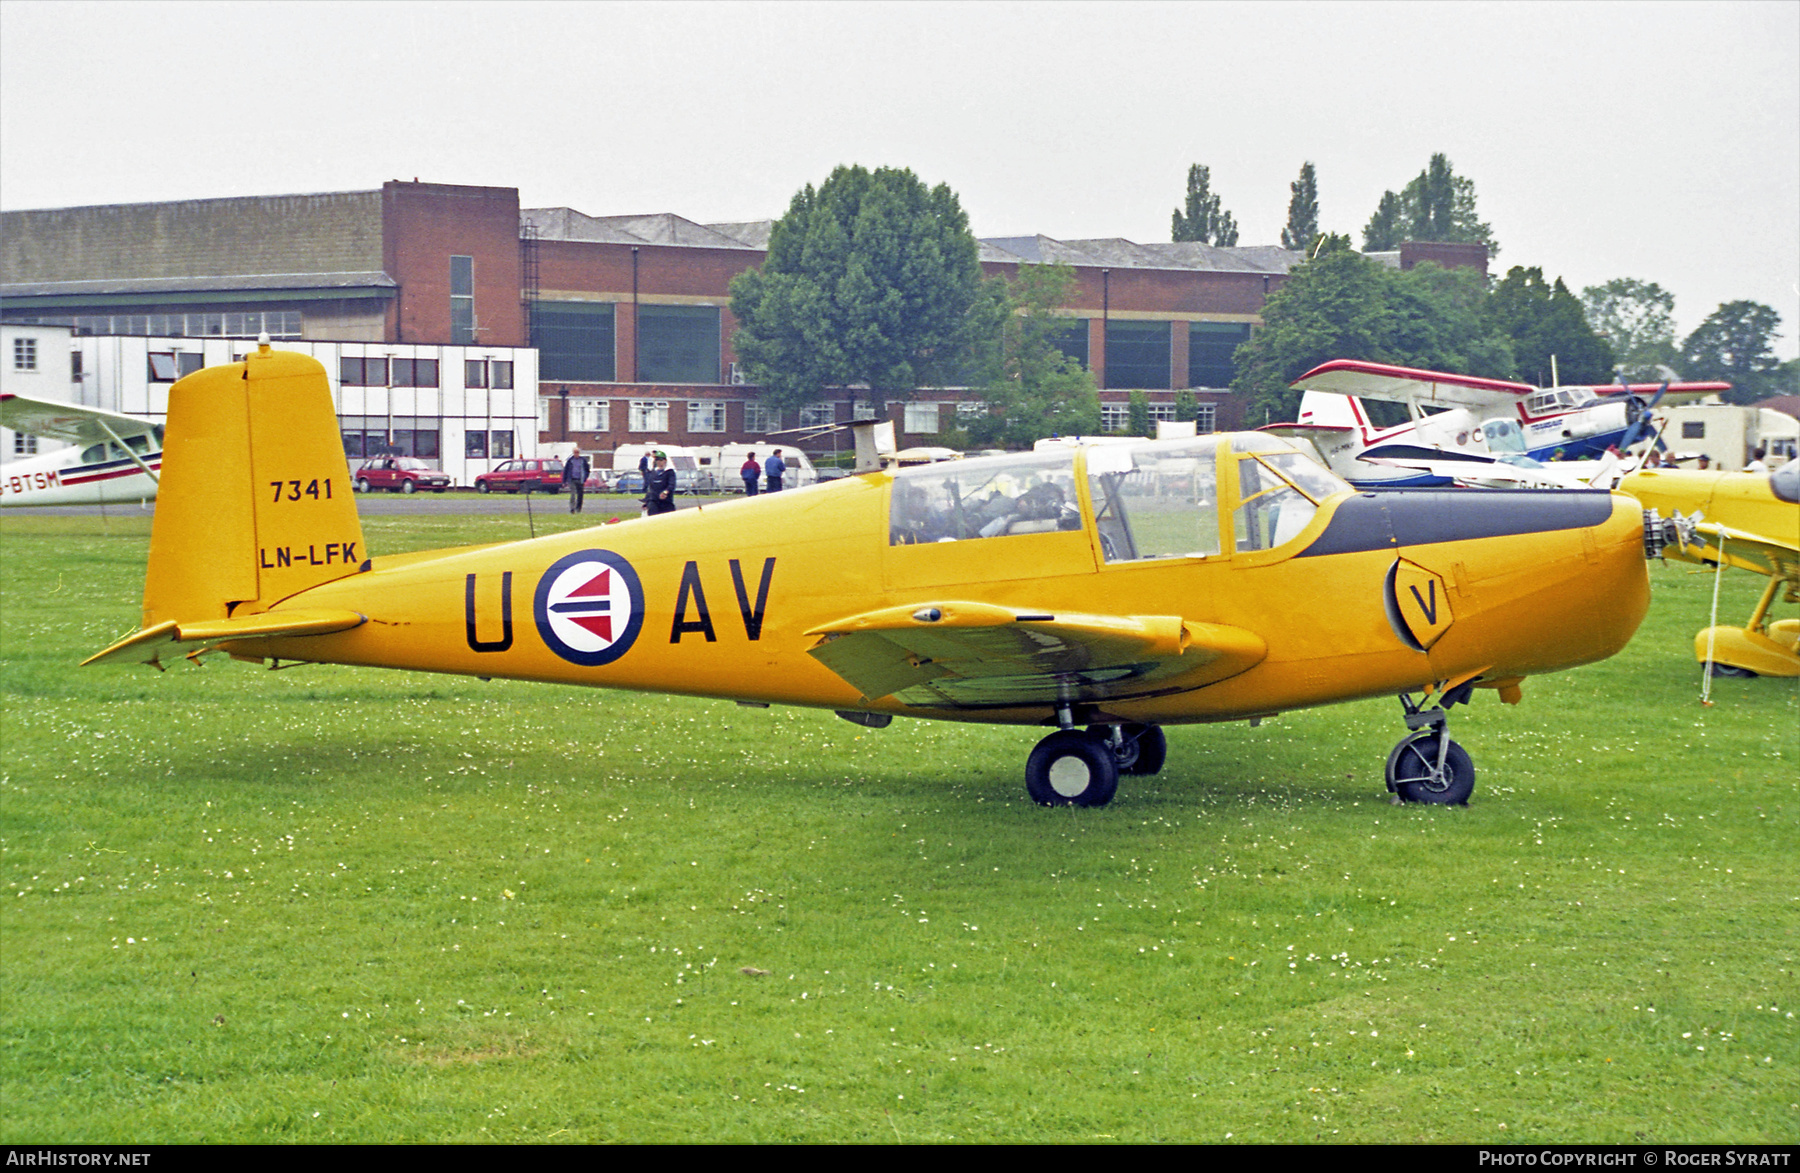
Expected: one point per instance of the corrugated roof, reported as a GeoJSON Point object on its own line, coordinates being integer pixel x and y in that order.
{"type": "Point", "coordinates": [101, 286]}
{"type": "Point", "coordinates": [656, 228]}
{"type": "Point", "coordinates": [1119, 253]}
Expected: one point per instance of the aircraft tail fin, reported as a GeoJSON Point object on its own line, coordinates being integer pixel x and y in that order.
{"type": "Point", "coordinates": [256, 503]}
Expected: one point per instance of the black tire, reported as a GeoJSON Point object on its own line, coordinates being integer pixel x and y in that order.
{"type": "Point", "coordinates": [482, 487]}
{"type": "Point", "coordinates": [441, 489]}
{"type": "Point", "coordinates": [1409, 770]}
{"type": "Point", "coordinates": [362, 484]}
{"type": "Point", "coordinates": [408, 487]}
{"type": "Point", "coordinates": [1732, 671]}
{"type": "Point", "coordinates": [1071, 768]}
{"type": "Point", "coordinates": [1145, 749]}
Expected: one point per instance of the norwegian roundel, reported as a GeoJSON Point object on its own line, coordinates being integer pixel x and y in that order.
{"type": "Point", "coordinates": [589, 607]}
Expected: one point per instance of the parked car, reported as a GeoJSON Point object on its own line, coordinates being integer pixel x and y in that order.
{"type": "Point", "coordinates": [400, 474]}
{"type": "Point", "coordinates": [630, 482]}
{"type": "Point", "coordinates": [531, 476]}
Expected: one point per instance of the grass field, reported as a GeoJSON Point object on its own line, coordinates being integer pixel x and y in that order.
{"type": "Point", "coordinates": [330, 904]}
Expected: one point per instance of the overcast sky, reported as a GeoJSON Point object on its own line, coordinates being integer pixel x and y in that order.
{"type": "Point", "coordinates": [1659, 141]}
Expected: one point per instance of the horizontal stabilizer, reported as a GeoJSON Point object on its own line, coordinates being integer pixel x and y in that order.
{"type": "Point", "coordinates": [965, 655]}
{"type": "Point", "coordinates": [148, 645]}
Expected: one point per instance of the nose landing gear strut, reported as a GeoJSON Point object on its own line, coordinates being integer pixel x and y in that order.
{"type": "Point", "coordinates": [1426, 766]}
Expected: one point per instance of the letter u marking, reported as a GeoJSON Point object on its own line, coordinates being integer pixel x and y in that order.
{"type": "Point", "coordinates": [476, 643]}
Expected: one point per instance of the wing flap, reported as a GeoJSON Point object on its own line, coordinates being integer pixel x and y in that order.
{"type": "Point", "coordinates": [961, 654]}
{"type": "Point", "coordinates": [1742, 549]}
{"type": "Point", "coordinates": [148, 645]}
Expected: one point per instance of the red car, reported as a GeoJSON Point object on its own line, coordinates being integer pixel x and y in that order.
{"type": "Point", "coordinates": [535, 476]}
{"type": "Point", "coordinates": [401, 474]}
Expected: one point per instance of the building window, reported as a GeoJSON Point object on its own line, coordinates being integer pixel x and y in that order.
{"type": "Point", "coordinates": [1072, 340]}
{"type": "Point", "coordinates": [758, 418]}
{"type": "Point", "coordinates": [500, 375]}
{"type": "Point", "coordinates": [1205, 418]}
{"type": "Point", "coordinates": [500, 445]}
{"type": "Point", "coordinates": [167, 367]}
{"type": "Point", "coordinates": [1693, 429]}
{"type": "Point", "coordinates": [971, 409]}
{"type": "Point", "coordinates": [475, 445]}
{"type": "Point", "coordinates": [25, 354]}
{"type": "Point", "coordinates": [818, 415]}
{"type": "Point", "coordinates": [363, 372]}
{"type": "Point", "coordinates": [678, 344]}
{"type": "Point", "coordinates": [1137, 354]}
{"type": "Point", "coordinates": [475, 373]}
{"type": "Point", "coordinates": [1211, 346]}
{"type": "Point", "coordinates": [922, 419]}
{"type": "Point", "coordinates": [462, 300]}
{"type": "Point", "coordinates": [862, 409]}
{"type": "Point", "coordinates": [415, 372]}
{"type": "Point", "coordinates": [706, 415]}
{"type": "Point", "coordinates": [590, 415]}
{"type": "Point", "coordinates": [1162, 411]}
{"type": "Point", "coordinates": [24, 445]}
{"type": "Point", "coordinates": [649, 415]}
{"type": "Point", "coordinates": [74, 366]}
{"type": "Point", "coordinates": [574, 341]}
{"type": "Point", "coordinates": [1115, 417]}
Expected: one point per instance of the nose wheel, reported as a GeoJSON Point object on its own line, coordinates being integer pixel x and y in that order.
{"type": "Point", "coordinates": [1427, 766]}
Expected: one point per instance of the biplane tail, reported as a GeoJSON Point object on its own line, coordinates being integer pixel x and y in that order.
{"type": "Point", "coordinates": [256, 505]}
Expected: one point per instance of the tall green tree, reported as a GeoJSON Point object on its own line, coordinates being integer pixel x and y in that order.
{"type": "Point", "coordinates": [1544, 320]}
{"type": "Point", "coordinates": [1203, 219]}
{"type": "Point", "coordinates": [1303, 211]}
{"type": "Point", "coordinates": [1637, 318]}
{"type": "Point", "coordinates": [1437, 204]}
{"type": "Point", "coordinates": [1332, 306]}
{"type": "Point", "coordinates": [869, 280]}
{"type": "Point", "coordinates": [1032, 388]}
{"type": "Point", "coordinates": [1736, 343]}
{"type": "Point", "coordinates": [1138, 415]}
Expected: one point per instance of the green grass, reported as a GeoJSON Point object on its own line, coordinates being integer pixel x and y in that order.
{"type": "Point", "coordinates": [329, 904]}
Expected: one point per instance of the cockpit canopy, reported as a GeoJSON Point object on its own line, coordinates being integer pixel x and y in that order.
{"type": "Point", "coordinates": [1149, 499]}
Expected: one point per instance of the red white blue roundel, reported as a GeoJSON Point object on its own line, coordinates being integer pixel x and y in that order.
{"type": "Point", "coordinates": [589, 607]}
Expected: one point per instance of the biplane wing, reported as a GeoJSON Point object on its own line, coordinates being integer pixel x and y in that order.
{"type": "Point", "coordinates": [1391, 384]}
{"type": "Point", "coordinates": [975, 655]}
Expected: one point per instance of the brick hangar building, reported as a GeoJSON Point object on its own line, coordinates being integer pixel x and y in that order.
{"type": "Point", "coordinates": [629, 315]}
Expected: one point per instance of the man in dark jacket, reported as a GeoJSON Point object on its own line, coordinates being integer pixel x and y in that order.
{"type": "Point", "coordinates": [775, 467]}
{"type": "Point", "coordinates": [659, 487]}
{"type": "Point", "coordinates": [575, 475]}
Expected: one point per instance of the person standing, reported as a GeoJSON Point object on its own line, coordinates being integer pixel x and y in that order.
{"type": "Point", "coordinates": [575, 475]}
{"type": "Point", "coordinates": [751, 472]}
{"type": "Point", "coordinates": [774, 468]}
{"type": "Point", "coordinates": [659, 487]}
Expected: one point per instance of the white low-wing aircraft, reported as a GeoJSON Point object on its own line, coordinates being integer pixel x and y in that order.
{"type": "Point", "coordinates": [1500, 432]}
{"type": "Point", "coordinates": [115, 457]}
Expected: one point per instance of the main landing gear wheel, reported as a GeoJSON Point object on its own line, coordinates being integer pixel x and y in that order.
{"type": "Point", "coordinates": [1731, 672]}
{"type": "Point", "coordinates": [1071, 768]}
{"type": "Point", "coordinates": [1414, 772]}
{"type": "Point", "coordinates": [1139, 750]}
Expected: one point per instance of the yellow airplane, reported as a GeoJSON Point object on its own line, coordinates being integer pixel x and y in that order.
{"type": "Point", "coordinates": [1749, 520]}
{"type": "Point", "coordinates": [1100, 591]}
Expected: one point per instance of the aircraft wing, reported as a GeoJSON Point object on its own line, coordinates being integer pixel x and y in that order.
{"type": "Point", "coordinates": [1744, 550]}
{"type": "Point", "coordinates": [69, 422]}
{"type": "Point", "coordinates": [1373, 380]}
{"type": "Point", "coordinates": [963, 655]}
{"type": "Point", "coordinates": [1471, 468]}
